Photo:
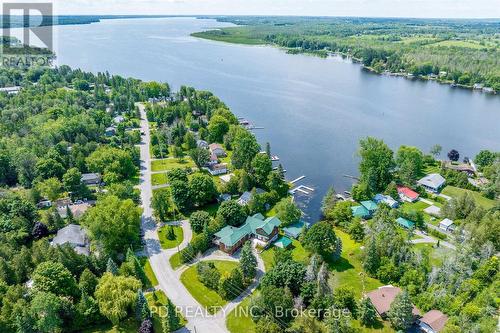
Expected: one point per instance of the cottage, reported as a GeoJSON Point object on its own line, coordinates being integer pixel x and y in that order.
{"type": "Point", "coordinates": [217, 149]}
{"type": "Point", "coordinates": [230, 238]}
{"type": "Point", "coordinates": [224, 197]}
{"type": "Point", "coordinates": [433, 210]}
{"type": "Point", "coordinates": [77, 210]}
{"type": "Point", "coordinates": [383, 297]}
{"type": "Point", "coordinates": [294, 230]}
{"type": "Point", "coordinates": [226, 178]}
{"type": "Point", "coordinates": [118, 119]}
{"type": "Point", "coordinates": [432, 182]}
{"type": "Point", "coordinates": [91, 178]}
{"type": "Point", "coordinates": [370, 206]}
{"type": "Point", "coordinates": [462, 167]}
{"type": "Point", "coordinates": [217, 169]}
{"type": "Point", "coordinates": [202, 144]}
{"type": "Point", "coordinates": [245, 198]}
{"type": "Point", "coordinates": [407, 194]}
{"type": "Point", "coordinates": [11, 90]}
{"type": "Point", "coordinates": [407, 224]}
{"type": "Point", "coordinates": [432, 322]}
{"type": "Point", "coordinates": [75, 236]}
{"type": "Point", "coordinates": [110, 131]}
{"type": "Point", "coordinates": [213, 159]}
{"type": "Point", "coordinates": [386, 199]}
{"type": "Point", "coordinates": [44, 204]}
{"type": "Point", "coordinates": [447, 225]}
{"type": "Point", "coordinates": [360, 211]}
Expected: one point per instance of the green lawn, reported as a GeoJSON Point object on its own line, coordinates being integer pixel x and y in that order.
{"type": "Point", "coordinates": [298, 253]}
{"type": "Point", "coordinates": [159, 179]}
{"type": "Point", "coordinates": [436, 254]}
{"type": "Point", "coordinates": [416, 206]}
{"type": "Point", "coordinates": [480, 200]}
{"type": "Point", "coordinates": [171, 163]}
{"type": "Point", "coordinates": [157, 300]}
{"type": "Point", "coordinates": [167, 243]}
{"type": "Point", "coordinates": [240, 321]}
{"type": "Point", "coordinates": [206, 297]}
{"type": "Point", "coordinates": [175, 261]}
{"type": "Point", "coordinates": [346, 271]}
{"type": "Point", "coordinates": [152, 280]}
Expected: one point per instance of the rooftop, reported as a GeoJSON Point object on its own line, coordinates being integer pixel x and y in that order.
{"type": "Point", "coordinates": [359, 211]}
{"type": "Point", "coordinates": [446, 222]}
{"type": "Point", "coordinates": [405, 223]}
{"type": "Point", "coordinates": [435, 319]}
{"type": "Point", "coordinates": [283, 242]}
{"type": "Point", "coordinates": [433, 180]}
{"type": "Point", "coordinates": [370, 205]}
{"type": "Point", "coordinates": [383, 297]}
{"type": "Point", "coordinates": [408, 192]}
{"type": "Point", "coordinates": [295, 229]}
{"type": "Point", "coordinates": [230, 235]}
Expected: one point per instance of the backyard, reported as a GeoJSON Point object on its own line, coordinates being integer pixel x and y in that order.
{"type": "Point", "coordinates": [171, 163]}
{"type": "Point", "coordinates": [205, 296]}
{"type": "Point", "coordinates": [480, 199]}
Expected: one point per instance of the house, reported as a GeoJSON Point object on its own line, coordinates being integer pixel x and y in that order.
{"type": "Point", "coordinates": [370, 206]}
{"type": "Point", "coordinates": [91, 178]}
{"type": "Point", "coordinates": [213, 159]}
{"type": "Point", "coordinates": [432, 182]}
{"type": "Point", "coordinates": [75, 236]}
{"type": "Point", "coordinates": [462, 167]}
{"type": "Point", "coordinates": [283, 242]}
{"type": "Point", "coordinates": [383, 297]}
{"type": "Point", "coordinates": [44, 204]}
{"type": "Point", "coordinates": [294, 230]}
{"type": "Point", "coordinates": [447, 225]}
{"type": "Point", "coordinates": [110, 131]}
{"type": "Point", "coordinates": [118, 119]}
{"type": "Point", "coordinates": [386, 199]}
{"type": "Point", "coordinates": [360, 211]}
{"type": "Point", "coordinates": [77, 210]}
{"type": "Point", "coordinates": [488, 90]}
{"type": "Point", "coordinates": [217, 149]}
{"type": "Point", "coordinates": [226, 178]}
{"type": "Point", "coordinates": [202, 144]}
{"type": "Point", "coordinates": [217, 169]}
{"type": "Point", "coordinates": [230, 238]}
{"type": "Point", "coordinates": [433, 210]}
{"type": "Point", "coordinates": [224, 197]}
{"type": "Point", "coordinates": [62, 202]}
{"type": "Point", "coordinates": [432, 322]}
{"type": "Point", "coordinates": [245, 198]}
{"type": "Point", "coordinates": [11, 90]}
{"type": "Point", "coordinates": [407, 194]}
{"type": "Point", "coordinates": [407, 224]}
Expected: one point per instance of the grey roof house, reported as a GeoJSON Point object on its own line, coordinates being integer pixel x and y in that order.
{"type": "Point", "coordinates": [432, 182]}
{"type": "Point", "coordinates": [75, 236]}
{"type": "Point", "coordinates": [91, 178]}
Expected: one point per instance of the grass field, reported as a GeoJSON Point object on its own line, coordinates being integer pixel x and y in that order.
{"type": "Point", "coordinates": [238, 321]}
{"type": "Point", "coordinates": [175, 261]}
{"type": "Point", "coordinates": [171, 163]}
{"type": "Point", "coordinates": [346, 271]}
{"type": "Point", "coordinates": [298, 253]}
{"type": "Point", "coordinates": [206, 297]}
{"type": "Point", "coordinates": [146, 266]}
{"type": "Point", "coordinates": [436, 255]}
{"type": "Point", "coordinates": [128, 326]}
{"type": "Point", "coordinates": [167, 243]}
{"type": "Point", "coordinates": [159, 179]}
{"type": "Point", "coordinates": [480, 200]}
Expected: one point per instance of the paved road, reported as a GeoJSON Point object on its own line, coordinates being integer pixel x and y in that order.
{"type": "Point", "coordinates": [169, 279]}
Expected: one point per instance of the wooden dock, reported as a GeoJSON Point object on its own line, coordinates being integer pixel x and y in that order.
{"type": "Point", "coordinates": [298, 179]}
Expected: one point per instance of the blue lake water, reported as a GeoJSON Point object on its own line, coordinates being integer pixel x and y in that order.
{"type": "Point", "coordinates": [313, 110]}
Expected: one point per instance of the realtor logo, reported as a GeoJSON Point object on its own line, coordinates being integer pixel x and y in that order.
{"type": "Point", "coordinates": [35, 20]}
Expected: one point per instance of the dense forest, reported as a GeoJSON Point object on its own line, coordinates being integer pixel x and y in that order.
{"type": "Point", "coordinates": [464, 52]}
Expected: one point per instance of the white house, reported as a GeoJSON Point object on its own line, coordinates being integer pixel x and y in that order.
{"type": "Point", "coordinates": [447, 225]}
{"type": "Point", "coordinates": [432, 182]}
{"type": "Point", "coordinates": [217, 169]}
{"type": "Point", "coordinates": [11, 90]}
{"type": "Point", "coordinates": [245, 198]}
{"type": "Point", "coordinates": [75, 236]}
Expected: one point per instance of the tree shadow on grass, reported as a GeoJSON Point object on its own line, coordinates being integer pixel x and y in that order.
{"type": "Point", "coordinates": [340, 265]}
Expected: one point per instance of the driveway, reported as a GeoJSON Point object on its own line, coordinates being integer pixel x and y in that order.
{"type": "Point", "coordinates": [169, 279]}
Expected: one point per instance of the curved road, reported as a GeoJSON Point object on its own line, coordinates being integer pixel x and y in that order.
{"type": "Point", "coordinates": [169, 279]}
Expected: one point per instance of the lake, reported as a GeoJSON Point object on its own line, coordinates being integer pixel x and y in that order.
{"type": "Point", "coordinates": [313, 110]}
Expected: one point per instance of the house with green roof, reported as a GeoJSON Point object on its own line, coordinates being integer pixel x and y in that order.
{"type": "Point", "coordinates": [230, 238]}
{"type": "Point", "coordinates": [407, 224]}
{"type": "Point", "coordinates": [360, 211]}
{"type": "Point", "coordinates": [370, 205]}
{"type": "Point", "coordinates": [283, 242]}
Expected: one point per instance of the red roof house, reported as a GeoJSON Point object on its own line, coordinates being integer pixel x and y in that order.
{"type": "Point", "coordinates": [407, 194]}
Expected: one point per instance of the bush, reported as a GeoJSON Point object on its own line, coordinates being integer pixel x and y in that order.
{"type": "Point", "coordinates": [208, 274]}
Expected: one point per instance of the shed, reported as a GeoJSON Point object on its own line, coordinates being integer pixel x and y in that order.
{"type": "Point", "coordinates": [447, 225]}
{"type": "Point", "coordinates": [283, 242]}
{"type": "Point", "coordinates": [407, 224]}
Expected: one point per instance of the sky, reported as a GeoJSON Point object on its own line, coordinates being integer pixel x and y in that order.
{"type": "Point", "coordinates": [367, 8]}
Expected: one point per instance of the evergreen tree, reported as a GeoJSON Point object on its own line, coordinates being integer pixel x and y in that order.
{"type": "Point", "coordinates": [338, 250]}
{"type": "Point", "coordinates": [170, 320]}
{"type": "Point", "coordinates": [142, 311]}
{"type": "Point", "coordinates": [170, 233]}
{"type": "Point", "coordinates": [268, 149]}
{"type": "Point", "coordinates": [312, 268]}
{"type": "Point", "coordinates": [400, 313]}
{"type": "Point", "coordinates": [69, 215]}
{"type": "Point", "coordinates": [367, 313]}
{"type": "Point", "coordinates": [323, 288]}
{"type": "Point", "coordinates": [111, 267]}
{"type": "Point", "coordinates": [248, 262]}
{"type": "Point", "coordinates": [371, 261]}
